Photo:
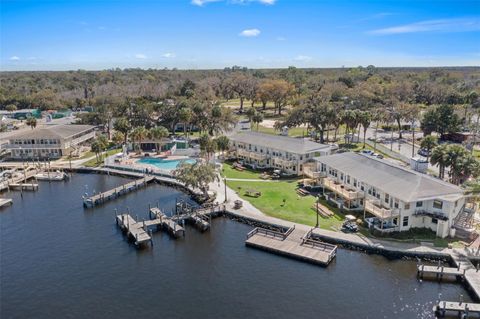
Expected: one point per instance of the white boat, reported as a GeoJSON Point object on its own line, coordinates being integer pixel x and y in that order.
{"type": "Point", "coordinates": [51, 176]}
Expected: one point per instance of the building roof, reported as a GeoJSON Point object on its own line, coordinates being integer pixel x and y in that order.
{"type": "Point", "coordinates": [279, 142]}
{"type": "Point", "coordinates": [402, 183]}
{"type": "Point", "coordinates": [52, 131]}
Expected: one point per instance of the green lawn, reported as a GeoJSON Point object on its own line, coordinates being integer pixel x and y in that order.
{"type": "Point", "coordinates": [297, 209]}
{"type": "Point", "coordinates": [229, 172]}
{"type": "Point", "coordinates": [93, 162]}
{"type": "Point", "coordinates": [294, 132]}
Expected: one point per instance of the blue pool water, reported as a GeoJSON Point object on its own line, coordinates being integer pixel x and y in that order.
{"type": "Point", "coordinates": [164, 164]}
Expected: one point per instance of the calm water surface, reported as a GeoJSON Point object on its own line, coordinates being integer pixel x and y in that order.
{"type": "Point", "coordinates": [61, 261]}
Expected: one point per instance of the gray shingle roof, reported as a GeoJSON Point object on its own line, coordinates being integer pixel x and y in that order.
{"type": "Point", "coordinates": [53, 131]}
{"type": "Point", "coordinates": [285, 143]}
{"type": "Point", "coordinates": [405, 184]}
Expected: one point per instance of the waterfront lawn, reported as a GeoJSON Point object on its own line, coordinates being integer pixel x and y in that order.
{"type": "Point", "coordinates": [229, 172]}
{"type": "Point", "coordinates": [94, 163]}
{"type": "Point", "coordinates": [297, 209]}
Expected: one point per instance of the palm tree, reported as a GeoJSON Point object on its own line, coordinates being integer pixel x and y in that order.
{"type": "Point", "coordinates": [222, 143]}
{"type": "Point", "coordinates": [158, 133]}
{"type": "Point", "coordinates": [365, 120]}
{"type": "Point", "coordinates": [138, 135]}
{"type": "Point", "coordinates": [428, 143]}
{"type": "Point", "coordinates": [207, 145]}
{"type": "Point", "coordinates": [31, 121]}
{"type": "Point", "coordinates": [440, 157]}
{"type": "Point", "coordinates": [185, 116]}
{"type": "Point", "coordinates": [257, 118]}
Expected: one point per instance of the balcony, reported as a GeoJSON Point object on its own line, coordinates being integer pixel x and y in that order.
{"type": "Point", "coordinates": [432, 214]}
{"type": "Point", "coordinates": [375, 207]}
{"type": "Point", "coordinates": [283, 162]}
{"type": "Point", "coordinates": [342, 190]}
{"type": "Point", "coordinates": [252, 155]}
{"type": "Point", "coordinates": [310, 170]}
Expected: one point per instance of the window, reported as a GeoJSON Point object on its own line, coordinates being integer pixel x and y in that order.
{"type": "Point", "coordinates": [405, 221]}
{"type": "Point", "coordinates": [406, 206]}
{"type": "Point", "coordinates": [362, 187]}
{"type": "Point", "coordinates": [355, 182]}
{"type": "Point", "coordinates": [387, 198]}
{"type": "Point", "coordinates": [419, 204]}
{"type": "Point", "coordinates": [396, 204]}
{"type": "Point", "coordinates": [438, 204]}
{"type": "Point", "coordinates": [434, 221]}
{"type": "Point", "coordinates": [348, 179]}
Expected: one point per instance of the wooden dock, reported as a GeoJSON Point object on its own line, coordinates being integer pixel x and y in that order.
{"type": "Point", "coordinates": [24, 186]}
{"type": "Point", "coordinates": [19, 178]}
{"type": "Point", "coordinates": [136, 230]}
{"type": "Point", "coordinates": [6, 202]}
{"type": "Point", "coordinates": [98, 199]}
{"type": "Point", "coordinates": [461, 309]}
{"type": "Point", "coordinates": [292, 243]}
{"type": "Point", "coordinates": [170, 225]}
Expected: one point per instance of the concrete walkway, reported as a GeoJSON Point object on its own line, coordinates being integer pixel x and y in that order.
{"type": "Point", "coordinates": [358, 240]}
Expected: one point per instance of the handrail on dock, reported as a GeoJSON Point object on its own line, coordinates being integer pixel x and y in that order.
{"type": "Point", "coordinates": [269, 232]}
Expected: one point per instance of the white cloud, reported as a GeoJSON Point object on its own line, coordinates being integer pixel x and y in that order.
{"type": "Point", "coordinates": [441, 25]}
{"type": "Point", "coordinates": [168, 55]}
{"type": "Point", "coordinates": [201, 3]}
{"type": "Point", "coordinates": [31, 58]}
{"type": "Point", "coordinates": [281, 39]}
{"type": "Point", "coordinates": [250, 33]}
{"type": "Point", "coordinates": [267, 1]}
{"type": "Point", "coordinates": [14, 58]}
{"type": "Point", "coordinates": [140, 56]}
{"type": "Point", "coordinates": [302, 58]}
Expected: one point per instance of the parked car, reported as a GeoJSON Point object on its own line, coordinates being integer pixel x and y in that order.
{"type": "Point", "coordinates": [367, 152]}
{"type": "Point", "coordinates": [350, 227]}
{"type": "Point", "coordinates": [423, 152]}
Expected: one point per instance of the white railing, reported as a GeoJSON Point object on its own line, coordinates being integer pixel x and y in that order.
{"type": "Point", "coordinates": [375, 207]}
{"type": "Point", "coordinates": [342, 190]}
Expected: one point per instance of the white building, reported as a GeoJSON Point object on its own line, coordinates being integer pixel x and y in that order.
{"type": "Point", "coordinates": [51, 142]}
{"type": "Point", "coordinates": [392, 198]}
{"type": "Point", "coordinates": [274, 151]}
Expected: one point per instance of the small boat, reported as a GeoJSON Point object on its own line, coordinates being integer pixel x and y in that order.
{"type": "Point", "coordinates": [51, 176]}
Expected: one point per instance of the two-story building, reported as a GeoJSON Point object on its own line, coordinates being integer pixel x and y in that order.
{"type": "Point", "coordinates": [392, 198]}
{"type": "Point", "coordinates": [53, 141]}
{"type": "Point", "coordinates": [275, 151]}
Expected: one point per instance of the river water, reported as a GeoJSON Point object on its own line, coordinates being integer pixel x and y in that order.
{"type": "Point", "coordinates": [61, 261]}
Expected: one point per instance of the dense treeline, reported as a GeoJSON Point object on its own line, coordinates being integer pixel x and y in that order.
{"type": "Point", "coordinates": [50, 90]}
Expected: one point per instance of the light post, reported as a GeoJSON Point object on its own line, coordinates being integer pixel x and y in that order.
{"type": "Point", "coordinates": [318, 200]}
{"type": "Point", "coordinates": [225, 186]}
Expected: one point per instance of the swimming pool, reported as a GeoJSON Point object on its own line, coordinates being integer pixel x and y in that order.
{"type": "Point", "coordinates": [165, 164]}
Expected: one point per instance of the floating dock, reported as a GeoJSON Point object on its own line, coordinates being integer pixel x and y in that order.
{"type": "Point", "coordinates": [98, 199]}
{"type": "Point", "coordinates": [136, 230]}
{"type": "Point", "coordinates": [170, 225]}
{"type": "Point", "coordinates": [293, 243]}
{"type": "Point", "coordinates": [6, 202]}
{"type": "Point", "coordinates": [19, 178]}
{"type": "Point", "coordinates": [461, 309]}
{"type": "Point", "coordinates": [464, 271]}
{"type": "Point", "coordinates": [24, 186]}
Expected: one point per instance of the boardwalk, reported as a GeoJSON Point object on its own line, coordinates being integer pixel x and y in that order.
{"type": "Point", "coordinates": [136, 230]}
{"type": "Point", "coordinates": [461, 309]}
{"type": "Point", "coordinates": [6, 202]}
{"type": "Point", "coordinates": [98, 199]}
{"type": "Point", "coordinates": [19, 177]}
{"type": "Point", "coordinates": [294, 243]}
{"type": "Point", "coordinates": [166, 222]}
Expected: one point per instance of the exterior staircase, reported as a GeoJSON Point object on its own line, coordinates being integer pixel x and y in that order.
{"type": "Point", "coordinates": [465, 223]}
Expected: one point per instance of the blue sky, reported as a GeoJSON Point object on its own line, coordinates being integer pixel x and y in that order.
{"type": "Point", "coordinates": [62, 35]}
